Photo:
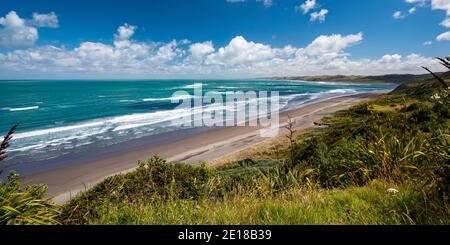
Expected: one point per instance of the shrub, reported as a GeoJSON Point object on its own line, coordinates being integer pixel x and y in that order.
{"type": "Point", "coordinates": [27, 206]}
{"type": "Point", "coordinates": [154, 181]}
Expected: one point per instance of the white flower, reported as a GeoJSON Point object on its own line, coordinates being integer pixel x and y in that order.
{"type": "Point", "coordinates": [436, 97]}
{"type": "Point", "coordinates": [392, 190]}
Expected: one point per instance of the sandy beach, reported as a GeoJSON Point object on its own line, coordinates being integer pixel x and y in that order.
{"type": "Point", "coordinates": [216, 146]}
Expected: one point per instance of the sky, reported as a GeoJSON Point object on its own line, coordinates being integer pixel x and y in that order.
{"type": "Point", "coordinates": [175, 39]}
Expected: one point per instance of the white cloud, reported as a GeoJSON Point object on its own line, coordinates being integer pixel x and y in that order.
{"type": "Point", "coordinates": [419, 2]}
{"type": "Point", "coordinates": [332, 45]}
{"type": "Point", "coordinates": [124, 33]}
{"type": "Point", "coordinates": [45, 20]}
{"type": "Point", "coordinates": [398, 15]}
{"type": "Point", "coordinates": [199, 50]}
{"type": "Point", "coordinates": [395, 58]}
{"type": "Point", "coordinates": [266, 3]}
{"type": "Point", "coordinates": [15, 32]}
{"type": "Point", "coordinates": [426, 43]}
{"type": "Point", "coordinates": [240, 51]}
{"type": "Point", "coordinates": [240, 58]}
{"type": "Point", "coordinates": [167, 53]}
{"type": "Point", "coordinates": [320, 16]}
{"type": "Point", "coordinates": [441, 5]}
{"type": "Point", "coordinates": [446, 22]}
{"type": "Point", "coordinates": [443, 37]}
{"type": "Point", "coordinates": [307, 6]}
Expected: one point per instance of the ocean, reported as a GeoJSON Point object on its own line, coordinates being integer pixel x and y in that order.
{"type": "Point", "coordinates": [62, 117]}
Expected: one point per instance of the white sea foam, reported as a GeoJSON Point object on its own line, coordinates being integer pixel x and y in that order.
{"type": "Point", "coordinates": [99, 126]}
{"type": "Point", "coordinates": [180, 97]}
{"type": "Point", "coordinates": [26, 148]}
{"type": "Point", "coordinates": [195, 85]}
{"type": "Point", "coordinates": [227, 87]}
{"type": "Point", "coordinates": [23, 108]}
{"type": "Point", "coordinates": [55, 130]}
{"type": "Point", "coordinates": [130, 126]}
{"type": "Point", "coordinates": [341, 91]}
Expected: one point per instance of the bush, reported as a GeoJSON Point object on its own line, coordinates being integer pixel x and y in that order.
{"type": "Point", "coordinates": [26, 206]}
{"type": "Point", "coordinates": [154, 181]}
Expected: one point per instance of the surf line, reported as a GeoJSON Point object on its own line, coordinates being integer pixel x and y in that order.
{"type": "Point", "coordinates": [24, 108]}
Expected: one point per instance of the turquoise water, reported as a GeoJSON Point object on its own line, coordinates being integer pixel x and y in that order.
{"type": "Point", "coordinates": [62, 117]}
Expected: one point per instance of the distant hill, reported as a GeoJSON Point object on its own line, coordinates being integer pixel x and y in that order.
{"type": "Point", "coordinates": [391, 78]}
{"type": "Point", "coordinates": [424, 87]}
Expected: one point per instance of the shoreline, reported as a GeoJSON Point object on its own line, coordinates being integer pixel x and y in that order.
{"type": "Point", "coordinates": [209, 145]}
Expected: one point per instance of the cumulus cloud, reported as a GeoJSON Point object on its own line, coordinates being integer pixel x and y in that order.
{"type": "Point", "coordinates": [307, 6]}
{"type": "Point", "coordinates": [240, 51]}
{"type": "Point", "coordinates": [332, 45]}
{"type": "Point", "coordinates": [441, 5]}
{"type": "Point", "coordinates": [398, 15]}
{"type": "Point", "coordinates": [446, 23]}
{"type": "Point", "coordinates": [128, 58]}
{"type": "Point", "coordinates": [45, 20]}
{"type": "Point", "coordinates": [418, 3]}
{"type": "Point", "coordinates": [15, 32]}
{"type": "Point", "coordinates": [167, 52]}
{"type": "Point", "coordinates": [123, 34]}
{"type": "Point", "coordinates": [443, 37]}
{"type": "Point", "coordinates": [319, 16]}
{"type": "Point", "coordinates": [394, 58]}
{"type": "Point", "coordinates": [199, 50]}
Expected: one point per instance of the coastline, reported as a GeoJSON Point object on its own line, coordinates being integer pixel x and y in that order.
{"type": "Point", "coordinates": [213, 145]}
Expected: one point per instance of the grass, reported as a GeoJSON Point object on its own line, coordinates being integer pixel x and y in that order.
{"type": "Point", "coordinates": [25, 206]}
{"type": "Point", "coordinates": [371, 204]}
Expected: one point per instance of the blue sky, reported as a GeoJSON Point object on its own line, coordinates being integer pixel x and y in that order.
{"type": "Point", "coordinates": [77, 39]}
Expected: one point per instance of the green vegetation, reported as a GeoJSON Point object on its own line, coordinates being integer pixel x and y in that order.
{"type": "Point", "coordinates": [23, 206]}
{"type": "Point", "coordinates": [385, 161]}
{"type": "Point", "coordinates": [355, 205]}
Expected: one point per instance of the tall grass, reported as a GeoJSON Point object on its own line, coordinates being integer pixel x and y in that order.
{"type": "Point", "coordinates": [23, 205]}
{"type": "Point", "coordinates": [153, 181]}
{"type": "Point", "coordinates": [370, 204]}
